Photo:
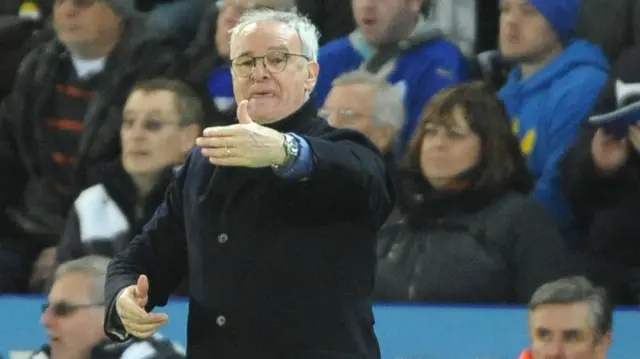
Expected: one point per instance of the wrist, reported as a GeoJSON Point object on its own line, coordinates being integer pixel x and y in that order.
{"type": "Point", "coordinates": [289, 151]}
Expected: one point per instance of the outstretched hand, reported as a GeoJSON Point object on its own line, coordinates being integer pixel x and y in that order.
{"type": "Point", "coordinates": [246, 144]}
{"type": "Point", "coordinates": [130, 306]}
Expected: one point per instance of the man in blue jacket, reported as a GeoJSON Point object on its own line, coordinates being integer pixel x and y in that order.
{"type": "Point", "coordinates": [424, 60]}
{"type": "Point", "coordinates": [551, 90]}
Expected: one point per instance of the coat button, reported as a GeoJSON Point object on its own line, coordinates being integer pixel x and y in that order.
{"type": "Point", "coordinates": [222, 238]}
{"type": "Point", "coordinates": [221, 320]}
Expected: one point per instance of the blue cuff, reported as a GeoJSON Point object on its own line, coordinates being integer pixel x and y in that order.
{"type": "Point", "coordinates": [301, 166]}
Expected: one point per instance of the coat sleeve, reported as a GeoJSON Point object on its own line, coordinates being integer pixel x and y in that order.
{"type": "Point", "coordinates": [348, 169]}
{"type": "Point", "coordinates": [70, 246]}
{"type": "Point", "coordinates": [159, 252]}
{"type": "Point", "coordinates": [539, 253]}
{"type": "Point", "coordinates": [10, 159]}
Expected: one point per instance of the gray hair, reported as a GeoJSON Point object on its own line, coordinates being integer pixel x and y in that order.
{"type": "Point", "coordinates": [94, 266]}
{"type": "Point", "coordinates": [389, 106]}
{"type": "Point", "coordinates": [305, 29]}
{"type": "Point", "coordinates": [283, 5]}
{"type": "Point", "coordinates": [577, 290]}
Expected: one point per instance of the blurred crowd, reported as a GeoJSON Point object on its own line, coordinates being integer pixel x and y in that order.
{"type": "Point", "coordinates": [509, 126]}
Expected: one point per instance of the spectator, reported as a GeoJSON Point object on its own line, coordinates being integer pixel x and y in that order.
{"type": "Point", "coordinates": [465, 212]}
{"type": "Point", "coordinates": [180, 18]}
{"type": "Point", "coordinates": [602, 181]}
{"type": "Point", "coordinates": [361, 101]}
{"type": "Point", "coordinates": [161, 123]}
{"type": "Point", "coordinates": [74, 315]}
{"type": "Point", "coordinates": [551, 90]}
{"type": "Point", "coordinates": [61, 122]}
{"type": "Point", "coordinates": [570, 318]}
{"type": "Point", "coordinates": [394, 37]}
{"type": "Point", "coordinates": [333, 18]}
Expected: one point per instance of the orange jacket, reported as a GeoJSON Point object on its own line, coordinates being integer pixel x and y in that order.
{"type": "Point", "coordinates": [526, 354]}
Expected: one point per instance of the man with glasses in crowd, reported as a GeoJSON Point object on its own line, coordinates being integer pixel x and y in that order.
{"type": "Point", "coordinates": [61, 123]}
{"type": "Point", "coordinates": [74, 318]}
{"type": "Point", "coordinates": [273, 219]}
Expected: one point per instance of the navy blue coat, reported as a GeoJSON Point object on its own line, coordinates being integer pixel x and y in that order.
{"type": "Point", "coordinates": [277, 268]}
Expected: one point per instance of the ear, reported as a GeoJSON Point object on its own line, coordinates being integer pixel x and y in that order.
{"type": "Point", "coordinates": [313, 69]}
{"type": "Point", "coordinates": [188, 137]}
{"type": "Point", "coordinates": [604, 344]}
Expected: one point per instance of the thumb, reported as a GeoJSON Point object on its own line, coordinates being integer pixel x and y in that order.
{"type": "Point", "coordinates": [243, 113]}
{"type": "Point", "coordinates": [142, 287]}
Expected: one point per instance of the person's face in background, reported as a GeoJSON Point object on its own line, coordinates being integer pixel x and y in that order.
{"type": "Point", "coordinates": [272, 95]}
{"type": "Point", "coordinates": [84, 24]}
{"type": "Point", "coordinates": [384, 21]}
{"type": "Point", "coordinates": [525, 35]}
{"type": "Point", "coordinates": [74, 334]}
{"type": "Point", "coordinates": [230, 12]}
{"type": "Point", "coordinates": [352, 106]}
{"type": "Point", "coordinates": [566, 331]}
{"type": "Point", "coordinates": [152, 136]}
{"type": "Point", "coordinates": [448, 149]}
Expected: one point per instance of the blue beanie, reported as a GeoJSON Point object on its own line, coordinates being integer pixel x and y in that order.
{"type": "Point", "coordinates": [561, 14]}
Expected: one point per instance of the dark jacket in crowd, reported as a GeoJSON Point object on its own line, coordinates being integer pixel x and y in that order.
{"type": "Point", "coordinates": [607, 207]}
{"type": "Point", "coordinates": [23, 146]}
{"type": "Point", "coordinates": [277, 268]}
{"type": "Point", "coordinates": [153, 348]}
{"type": "Point", "coordinates": [612, 24]}
{"type": "Point", "coordinates": [107, 215]}
{"type": "Point", "coordinates": [333, 18]}
{"type": "Point", "coordinates": [467, 246]}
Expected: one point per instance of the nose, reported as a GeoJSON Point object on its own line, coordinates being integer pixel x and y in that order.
{"type": "Point", "coordinates": [260, 71]}
{"type": "Point", "coordinates": [554, 350]}
{"type": "Point", "coordinates": [47, 319]}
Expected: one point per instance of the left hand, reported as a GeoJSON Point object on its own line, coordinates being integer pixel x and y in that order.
{"type": "Point", "coordinates": [246, 144]}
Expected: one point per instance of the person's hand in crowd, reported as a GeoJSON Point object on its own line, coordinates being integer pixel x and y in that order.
{"type": "Point", "coordinates": [43, 268]}
{"type": "Point", "coordinates": [246, 144]}
{"type": "Point", "coordinates": [634, 136]}
{"type": "Point", "coordinates": [130, 308]}
{"type": "Point", "coordinates": [609, 154]}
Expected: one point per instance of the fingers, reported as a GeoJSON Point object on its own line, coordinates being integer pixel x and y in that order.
{"type": "Point", "coordinates": [142, 287]}
{"type": "Point", "coordinates": [219, 141]}
{"type": "Point", "coordinates": [243, 113]}
{"type": "Point", "coordinates": [143, 330]}
{"type": "Point", "coordinates": [223, 131]}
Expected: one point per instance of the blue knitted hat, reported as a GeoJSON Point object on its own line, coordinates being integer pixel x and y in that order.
{"type": "Point", "coordinates": [561, 14]}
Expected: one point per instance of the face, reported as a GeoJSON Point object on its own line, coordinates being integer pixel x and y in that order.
{"type": "Point", "coordinates": [352, 106]}
{"type": "Point", "coordinates": [72, 335]}
{"type": "Point", "coordinates": [447, 151]}
{"type": "Point", "coordinates": [151, 135]}
{"type": "Point", "coordinates": [525, 35]}
{"type": "Point", "coordinates": [83, 22]}
{"type": "Point", "coordinates": [279, 83]}
{"type": "Point", "coordinates": [565, 331]}
{"type": "Point", "coordinates": [385, 20]}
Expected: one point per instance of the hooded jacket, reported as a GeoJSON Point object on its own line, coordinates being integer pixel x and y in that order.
{"type": "Point", "coordinates": [429, 65]}
{"type": "Point", "coordinates": [546, 111]}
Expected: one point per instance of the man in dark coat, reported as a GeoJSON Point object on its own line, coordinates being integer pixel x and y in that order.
{"type": "Point", "coordinates": [273, 219]}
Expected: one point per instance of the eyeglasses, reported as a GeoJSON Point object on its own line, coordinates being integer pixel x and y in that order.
{"type": "Point", "coordinates": [274, 61]}
{"type": "Point", "coordinates": [150, 125]}
{"type": "Point", "coordinates": [78, 4]}
{"type": "Point", "coordinates": [344, 114]}
{"type": "Point", "coordinates": [65, 309]}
